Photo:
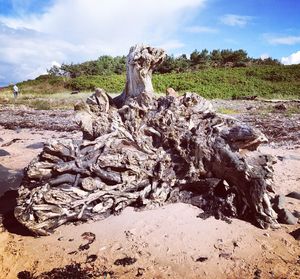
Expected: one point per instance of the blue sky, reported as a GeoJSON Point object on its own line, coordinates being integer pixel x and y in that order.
{"type": "Point", "coordinates": [36, 34]}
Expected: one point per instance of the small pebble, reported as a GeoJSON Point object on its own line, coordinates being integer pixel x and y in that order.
{"type": "Point", "coordinates": [201, 259]}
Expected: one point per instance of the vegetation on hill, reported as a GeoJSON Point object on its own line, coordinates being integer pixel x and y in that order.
{"type": "Point", "coordinates": [217, 74]}
{"type": "Point", "coordinates": [265, 81]}
{"type": "Point", "coordinates": [104, 65]}
{"type": "Point", "coordinates": [108, 65]}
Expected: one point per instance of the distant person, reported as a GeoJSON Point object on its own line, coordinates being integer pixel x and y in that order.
{"type": "Point", "coordinates": [16, 91]}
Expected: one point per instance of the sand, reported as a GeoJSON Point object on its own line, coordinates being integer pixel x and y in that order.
{"type": "Point", "coordinates": [167, 242]}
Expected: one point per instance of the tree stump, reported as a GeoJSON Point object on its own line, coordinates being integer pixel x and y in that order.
{"type": "Point", "coordinates": [144, 152]}
{"type": "Point", "coordinates": [141, 61]}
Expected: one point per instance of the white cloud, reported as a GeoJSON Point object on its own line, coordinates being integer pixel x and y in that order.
{"type": "Point", "coordinates": [284, 40]}
{"type": "Point", "coordinates": [78, 30]}
{"type": "Point", "coordinates": [24, 56]}
{"type": "Point", "coordinates": [264, 56]}
{"type": "Point", "coordinates": [201, 29]}
{"type": "Point", "coordinates": [236, 20]}
{"type": "Point", "coordinates": [56, 64]}
{"type": "Point", "coordinates": [294, 58]}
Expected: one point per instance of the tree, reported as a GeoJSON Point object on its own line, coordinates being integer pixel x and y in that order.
{"type": "Point", "coordinates": [167, 66]}
{"type": "Point", "coordinates": [204, 57]}
{"type": "Point", "coordinates": [194, 57]}
{"type": "Point", "coordinates": [215, 57]}
{"type": "Point", "coordinates": [237, 56]}
{"type": "Point", "coordinates": [55, 71]}
{"type": "Point", "coordinates": [181, 63]}
{"type": "Point", "coordinates": [200, 59]}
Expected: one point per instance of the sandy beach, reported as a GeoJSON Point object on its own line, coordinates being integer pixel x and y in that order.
{"type": "Point", "coordinates": [167, 242]}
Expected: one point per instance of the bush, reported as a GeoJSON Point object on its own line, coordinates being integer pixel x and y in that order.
{"type": "Point", "coordinates": [110, 83]}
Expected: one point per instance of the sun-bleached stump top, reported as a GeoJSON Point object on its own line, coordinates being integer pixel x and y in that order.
{"type": "Point", "coordinates": [140, 63]}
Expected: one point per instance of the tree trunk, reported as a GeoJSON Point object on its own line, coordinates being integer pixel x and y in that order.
{"type": "Point", "coordinates": [140, 63]}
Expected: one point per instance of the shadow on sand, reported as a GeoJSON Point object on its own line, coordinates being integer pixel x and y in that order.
{"type": "Point", "coordinates": [3, 152]}
{"type": "Point", "coordinates": [9, 182]}
{"type": "Point", "coordinates": [37, 145]}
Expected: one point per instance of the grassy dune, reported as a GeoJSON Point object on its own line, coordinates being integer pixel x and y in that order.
{"type": "Point", "coordinates": [224, 83]}
{"type": "Point", "coordinates": [47, 92]}
{"type": "Point", "coordinates": [264, 81]}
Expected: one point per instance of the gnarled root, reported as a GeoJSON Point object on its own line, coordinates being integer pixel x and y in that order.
{"type": "Point", "coordinates": [147, 153]}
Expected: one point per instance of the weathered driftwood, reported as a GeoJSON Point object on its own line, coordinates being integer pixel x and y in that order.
{"type": "Point", "coordinates": [146, 153]}
{"type": "Point", "coordinates": [140, 62]}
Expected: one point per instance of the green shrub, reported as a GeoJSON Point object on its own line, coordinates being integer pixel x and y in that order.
{"type": "Point", "coordinates": [110, 83]}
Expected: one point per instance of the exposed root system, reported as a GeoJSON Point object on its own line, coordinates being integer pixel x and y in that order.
{"type": "Point", "coordinates": [145, 153]}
